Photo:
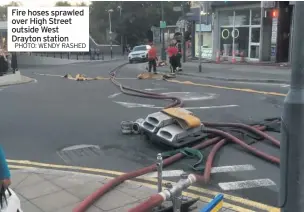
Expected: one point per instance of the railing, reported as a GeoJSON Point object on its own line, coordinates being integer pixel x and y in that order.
{"type": "Point", "coordinates": [95, 55]}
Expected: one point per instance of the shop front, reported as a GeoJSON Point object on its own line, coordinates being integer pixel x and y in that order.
{"type": "Point", "coordinates": [205, 33]}
{"type": "Point", "coordinates": [238, 31]}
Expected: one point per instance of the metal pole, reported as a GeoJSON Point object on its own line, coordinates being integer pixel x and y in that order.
{"type": "Point", "coordinates": [184, 41]}
{"type": "Point", "coordinates": [233, 36]}
{"type": "Point", "coordinates": [292, 144]}
{"type": "Point", "coordinates": [121, 37]}
{"type": "Point", "coordinates": [200, 41]}
{"type": "Point", "coordinates": [163, 32]}
{"type": "Point", "coordinates": [111, 35]}
{"type": "Point", "coordinates": [159, 172]}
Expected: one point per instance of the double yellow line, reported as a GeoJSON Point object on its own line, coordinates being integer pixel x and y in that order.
{"type": "Point", "coordinates": [194, 192]}
{"type": "Point", "coordinates": [247, 90]}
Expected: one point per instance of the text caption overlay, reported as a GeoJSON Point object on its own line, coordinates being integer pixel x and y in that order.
{"type": "Point", "coordinates": [48, 29]}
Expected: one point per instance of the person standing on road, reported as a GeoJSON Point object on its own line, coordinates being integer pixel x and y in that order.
{"type": "Point", "coordinates": [173, 59]}
{"type": "Point", "coordinates": [152, 58]}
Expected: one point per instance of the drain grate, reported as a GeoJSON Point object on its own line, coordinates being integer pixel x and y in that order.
{"type": "Point", "coordinates": [74, 154]}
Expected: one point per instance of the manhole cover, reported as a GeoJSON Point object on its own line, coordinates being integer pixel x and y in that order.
{"type": "Point", "coordinates": [192, 96]}
{"type": "Point", "coordinates": [76, 153]}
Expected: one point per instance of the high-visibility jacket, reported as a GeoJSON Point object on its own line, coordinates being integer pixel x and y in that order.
{"type": "Point", "coordinates": [152, 54]}
{"type": "Point", "coordinates": [172, 50]}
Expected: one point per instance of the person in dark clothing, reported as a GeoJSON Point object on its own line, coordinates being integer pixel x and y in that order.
{"type": "Point", "coordinates": [173, 58]}
{"type": "Point", "coordinates": [152, 58]}
{"type": "Point", "coordinates": [14, 63]}
{"type": "Point", "coordinates": [3, 64]}
{"type": "Point", "coordinates": [179, 55]}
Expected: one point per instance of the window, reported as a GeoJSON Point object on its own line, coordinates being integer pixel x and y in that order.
{"type": "Point", "coordinates": [140, 48]}
{"type": "Point", "coordinates": [256, 16]}
{"type": "Point", "coordinates": [255, 34]}
{"type": "Point", "coordinates": [241, 40]}
{"type": "Point", "coordinates": [226, 18]}
{"type": "Point", "coordinates": [242, 17]}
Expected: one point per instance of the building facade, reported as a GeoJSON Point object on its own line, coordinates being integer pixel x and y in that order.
{"type": "Point", "coordinates": [257, 31]}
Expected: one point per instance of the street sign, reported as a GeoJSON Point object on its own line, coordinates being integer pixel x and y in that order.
{"type": "Point", "coordinates": [177, 9]}
{"type": "Point", "coordinates": [268, 4]}
{"type": "Point", "coordinates": [163, 24]}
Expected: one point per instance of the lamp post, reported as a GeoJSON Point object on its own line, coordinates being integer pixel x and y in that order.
{"type": "Point", "coordinates": [200, 40]}
{"type": "Point", "coordinates": [121, 36]}
{"type": "Point", "coordinates": [163, 32]}
{"type": "Point", "coordinates": [292, 144]}
{"type": "Point", "coordinates": [110, 23]}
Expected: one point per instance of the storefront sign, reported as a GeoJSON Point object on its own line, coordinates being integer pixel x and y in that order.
{"type": "Point", "coordinates": [268, 4]}
{"type": "Point", "coordinates": [206, 53]}
{"type": "Point", "coordinates": [204, 28]}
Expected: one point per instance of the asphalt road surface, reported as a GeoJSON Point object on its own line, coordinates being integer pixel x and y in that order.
{"type": "Point", "coordinates": [61, 121]}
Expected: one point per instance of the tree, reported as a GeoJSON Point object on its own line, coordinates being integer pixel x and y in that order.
{"type": "Point", "coordinates": [62, 4]}
{"type": "Point", "coordinates": [136, 18]}
{"type": "Point", "coordinates": [82, 4]}
{"type": "Point", "coordinates": [3, 9]}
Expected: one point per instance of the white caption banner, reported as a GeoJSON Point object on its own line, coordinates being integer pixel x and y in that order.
{"type": "Point", "coordinates": [48, 29]}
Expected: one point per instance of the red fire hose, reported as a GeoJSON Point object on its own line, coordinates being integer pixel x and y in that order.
{"type": "Point", "coordinates": [87, 202]}
{"type": "Point", "coordinates": [157, 199]}
{"type": "Point", "coordinates": [246, 127]}
{"type": "Point", "coordinates": [148, 206]}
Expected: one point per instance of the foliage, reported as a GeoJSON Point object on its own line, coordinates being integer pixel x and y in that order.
{"type": "Point", "coordinates": [62, 4]}
{"type": "Point", "coordinates": [133, 21]}
{"type": "Point", "coordinates": [3, 8]}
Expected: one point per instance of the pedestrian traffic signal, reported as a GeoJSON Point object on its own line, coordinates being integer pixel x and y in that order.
{"type": "Point", "coordinates": [275, 13]}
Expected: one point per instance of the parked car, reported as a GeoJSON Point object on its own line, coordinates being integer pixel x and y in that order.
{"type": "Point", "coordinates": [139, 53]}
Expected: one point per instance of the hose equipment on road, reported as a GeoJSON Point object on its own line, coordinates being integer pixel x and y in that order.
{"type": "Point", "coordinates": [216, 137]}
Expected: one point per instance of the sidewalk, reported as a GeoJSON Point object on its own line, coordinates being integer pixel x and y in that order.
{"type": "Point", "coordinates": [231, 72]}
{"type": "Point", "coordinates": [14, 79]}
{"type": "Point", "coordinates": [47, 190]}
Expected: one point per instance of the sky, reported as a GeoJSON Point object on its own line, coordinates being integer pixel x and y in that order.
{"type": "Point", "coordinates": [37, 3]}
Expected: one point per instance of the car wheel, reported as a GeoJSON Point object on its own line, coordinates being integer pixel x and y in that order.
{"type": "Point", "coordinates": [130, 61]}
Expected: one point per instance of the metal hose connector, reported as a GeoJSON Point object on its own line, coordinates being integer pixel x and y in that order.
{"type": "Point", "coordinates": [136, 127]}
{"type": "Point", "coordinates": [126, 127]}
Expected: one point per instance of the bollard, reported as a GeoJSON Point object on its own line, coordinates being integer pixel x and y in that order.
{"type": "Point", "coordinates": [159, 165]}
{"type": "Point", "coordinates": [102, 56]}
{"type": "Point", "coordinates": [77, 56]}
{"type": "Point", "coordinates": [54, 54]}
{"type": "Point", "coordinates": [68, 55]}
{"type": "Point", "coordinates": [61, 55]}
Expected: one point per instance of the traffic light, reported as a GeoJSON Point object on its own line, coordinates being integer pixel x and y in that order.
{"type": "Point", "coordinates": [275, 13]}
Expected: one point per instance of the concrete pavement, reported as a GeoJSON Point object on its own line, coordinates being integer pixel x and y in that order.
{"type": "Point", "coordinates": [48, 190]}
{"type": "Point", "coordinates": [231, 72]}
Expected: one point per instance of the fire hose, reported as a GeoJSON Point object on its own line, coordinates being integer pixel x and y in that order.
{"type": "Point", "coordinates": [157, 199]}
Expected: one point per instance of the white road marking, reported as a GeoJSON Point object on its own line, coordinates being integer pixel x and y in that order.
{"type": "Point", "coordinates": [237, 185]}
{"type": "Point", "coordinates": [219, 169]}
{"type": "Point", "coordinates": [192, 96]}
{"type": "Point", "coordinates": [114, 95]}
{"type": "Point", "coordinates": [166, 173]}
{"type": "Point", "coordinates": [285, 86]}
{"type": "Point", "coordinates": [211, 107]}
{"type": "Point", "coordinates": [136, 105]}
{"type": "Point", "coordinates": [235, 168]}
{"type": "Point", "coordinates": [155, 89]}
{"type": "Point", "coordinates": [50, 75]}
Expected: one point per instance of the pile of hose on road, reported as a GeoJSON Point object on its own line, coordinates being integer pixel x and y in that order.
{"type": "Point", "coordinates": [217, 136]}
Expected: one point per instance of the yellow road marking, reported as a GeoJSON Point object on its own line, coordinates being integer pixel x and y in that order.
{"type": "Point", "coordinates": [202, 198]}
{"type": "Point", "coordinates": [248, 90]}
{"type": "Point", "coordinates": [201, 190]}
